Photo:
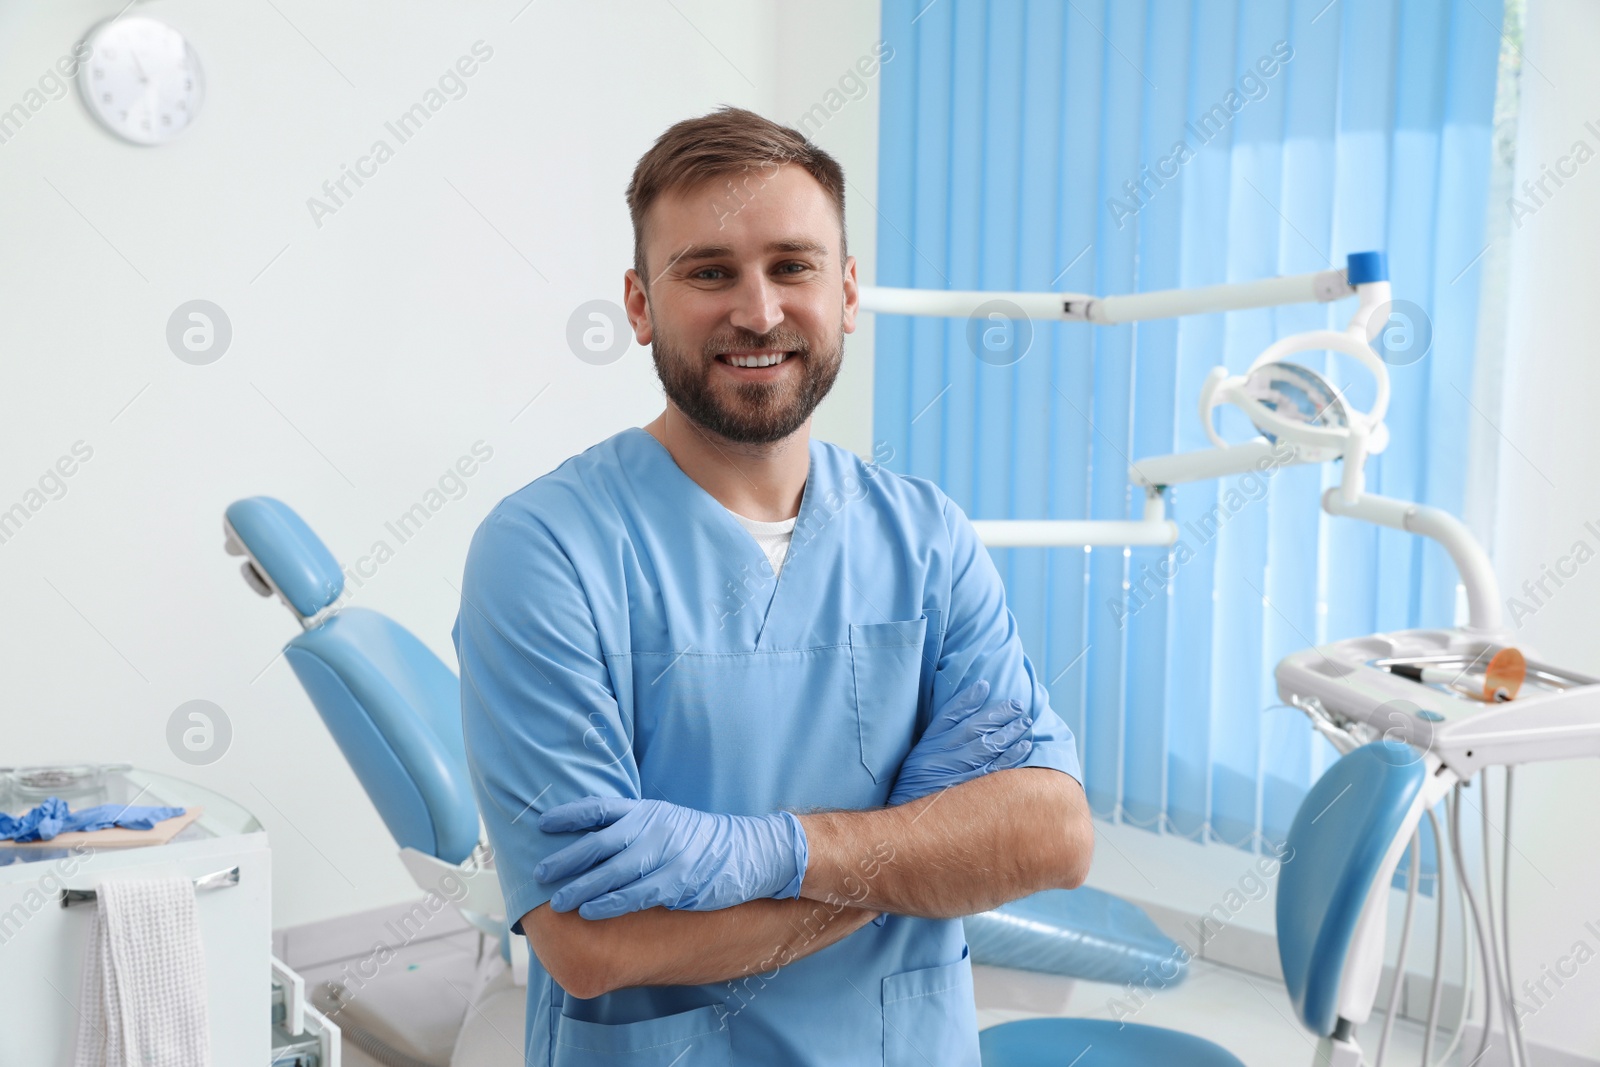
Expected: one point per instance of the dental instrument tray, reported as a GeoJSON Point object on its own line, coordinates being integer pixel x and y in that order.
{"type": "Point", "coordinates": [1427, 688]}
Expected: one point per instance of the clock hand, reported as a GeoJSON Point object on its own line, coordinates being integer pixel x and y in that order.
{"type": "Point", "coordinates": [150, 90]}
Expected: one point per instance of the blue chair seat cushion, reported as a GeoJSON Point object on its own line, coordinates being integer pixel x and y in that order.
{"type": "Point", "coordinates": [1080, 933]}
{"type": "Point", "coordinates": [1096, 1043]}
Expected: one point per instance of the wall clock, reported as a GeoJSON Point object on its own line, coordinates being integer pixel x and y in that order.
{"type": "Point", "coordinates": [142, 79]}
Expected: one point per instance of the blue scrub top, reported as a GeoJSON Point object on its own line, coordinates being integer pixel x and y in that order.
{"type": "Point", "coordinates": [620, 634]}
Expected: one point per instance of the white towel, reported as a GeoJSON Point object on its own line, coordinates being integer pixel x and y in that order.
{"type": "Point", "coordinates": [143, 998]}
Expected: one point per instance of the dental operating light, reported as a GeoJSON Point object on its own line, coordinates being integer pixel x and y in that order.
{"type": "Point", "coordinates": [1292, 406]}
{"type": "Point", "coordinates": [1295, 409]}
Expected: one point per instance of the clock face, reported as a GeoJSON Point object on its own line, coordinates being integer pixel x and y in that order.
{"type": "Point", "coordinates": [141, 80]}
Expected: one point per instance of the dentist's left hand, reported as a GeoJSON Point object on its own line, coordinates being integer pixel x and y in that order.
{"type": "Point", "coordinates": [649, 853]}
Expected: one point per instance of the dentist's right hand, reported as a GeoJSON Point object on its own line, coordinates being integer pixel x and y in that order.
{"type": "Point", "coordinates": [967, 737]}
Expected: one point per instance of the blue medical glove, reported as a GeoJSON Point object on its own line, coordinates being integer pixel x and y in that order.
{"type": "Point", "coordinates": [129, 818]}
{"type": "Point", "coordinates": [649, 853]}
{"type": "Point", "coordinates": [53, 817]}
{"type": "Point", "coordinates": [967, 738]}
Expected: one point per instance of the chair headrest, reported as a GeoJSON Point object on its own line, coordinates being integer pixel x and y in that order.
{"type": "Point", "coordinates": [285, 553]}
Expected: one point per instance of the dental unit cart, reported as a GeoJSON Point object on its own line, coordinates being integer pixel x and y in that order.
{"type": "Point", "coordinates": [1429, 707]}
{"type": "Point", "coordinates": [1464, 700]}
{"type": "Point", "coordinates": [256, 1007]}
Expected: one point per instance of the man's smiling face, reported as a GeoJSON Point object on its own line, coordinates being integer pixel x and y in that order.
{"type": "Point", "coordinates": [748, 302]}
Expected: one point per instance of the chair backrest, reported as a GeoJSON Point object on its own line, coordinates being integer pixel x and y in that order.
{"type": "Point", "coordinates": [1343, 847]}
{"type": "Point", "coordinates": [391, 705]}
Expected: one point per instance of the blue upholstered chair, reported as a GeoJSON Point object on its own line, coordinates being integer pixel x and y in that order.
{"type": "Point", "coordinates": [395, 711]}
{"type": "Point", "coordinates": [1332, 908]}
{"type": "Point", "coordinates": [391, 705]}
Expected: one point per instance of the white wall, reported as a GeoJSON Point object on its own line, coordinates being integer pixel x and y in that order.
{"type": "Point", "coordinates": [818, 44]}
{"type": "Point", "coordinates": [368, 354]}
{"type": "Point", "coordinates": [1548, 491]}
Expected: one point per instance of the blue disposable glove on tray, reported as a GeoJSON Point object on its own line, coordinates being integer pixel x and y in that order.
{"type": "Point", "coordinates": [649, 853]}
{"type": "Point", "coordinates": [967, 738]}
{"type": "Point", "coordinates": [54, 817]}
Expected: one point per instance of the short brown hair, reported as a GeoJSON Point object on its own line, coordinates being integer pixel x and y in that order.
{"type": "Point", "coordinates": [730, 140]}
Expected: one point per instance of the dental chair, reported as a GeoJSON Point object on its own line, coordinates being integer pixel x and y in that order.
{"type": "Point", "coordinates": [1332, 911]}
{"type": "Point", "coordinates": [395, 711]}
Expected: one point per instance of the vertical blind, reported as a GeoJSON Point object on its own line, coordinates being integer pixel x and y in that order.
{"type": "Point", "coordinates": [1112, 146]}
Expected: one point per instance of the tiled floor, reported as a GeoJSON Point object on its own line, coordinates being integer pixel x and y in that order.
{"type": "Point", "coordinates": [418, 999]}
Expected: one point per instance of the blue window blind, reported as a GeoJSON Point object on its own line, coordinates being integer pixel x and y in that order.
{"type": "Point", "coordinates": [1110, 146]}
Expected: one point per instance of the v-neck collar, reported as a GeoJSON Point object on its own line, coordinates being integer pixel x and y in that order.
{"type": "Point", "coordinates": [730, 531]}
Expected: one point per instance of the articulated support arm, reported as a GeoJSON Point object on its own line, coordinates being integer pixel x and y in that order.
{"type": "Point", "coordinates": [1472, 562]}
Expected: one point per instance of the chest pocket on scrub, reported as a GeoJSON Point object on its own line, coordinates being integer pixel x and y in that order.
{"type": "Point", "coordinates": [890, 661]}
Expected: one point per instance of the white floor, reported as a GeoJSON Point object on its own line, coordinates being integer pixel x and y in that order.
{"type": "Point", "coordinates": [417, 1001]}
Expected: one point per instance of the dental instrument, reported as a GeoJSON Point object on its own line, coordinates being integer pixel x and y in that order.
{"type": "Point", "coordinates": [1501, 682]}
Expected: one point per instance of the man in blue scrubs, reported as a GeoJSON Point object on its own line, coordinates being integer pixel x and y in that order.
{"type": "Point", "coordinates": [749, 722]}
